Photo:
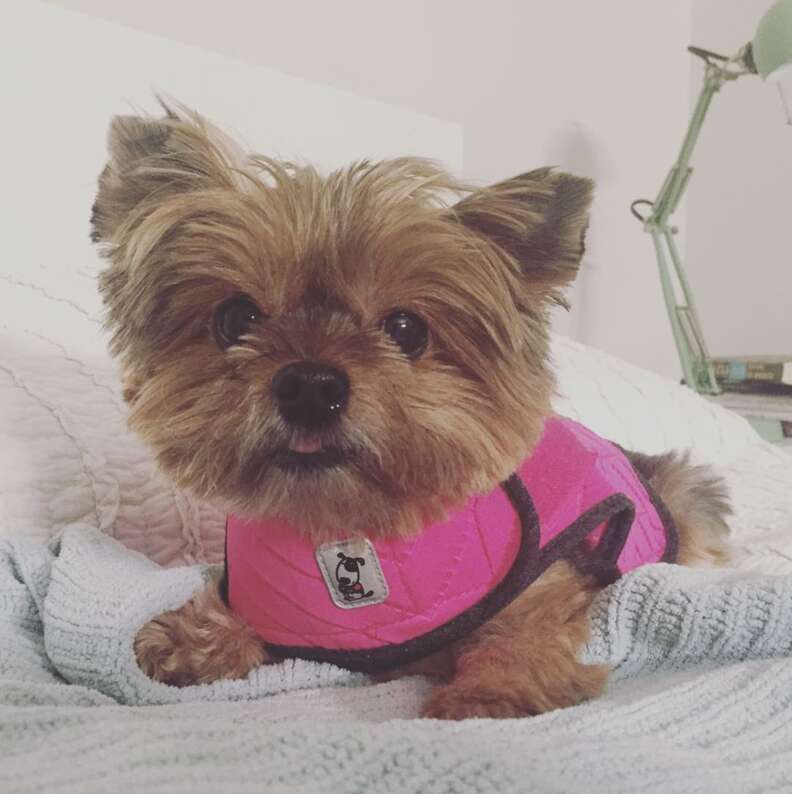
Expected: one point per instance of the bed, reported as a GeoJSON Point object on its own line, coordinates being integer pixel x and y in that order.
{"type": "Point", "coordinates": [93, 541]}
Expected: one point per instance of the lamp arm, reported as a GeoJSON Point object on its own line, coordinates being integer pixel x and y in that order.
{"type": "Point", "coordinates": [688, 335]}
{"type": "Point", "coordinates": [676, 182]}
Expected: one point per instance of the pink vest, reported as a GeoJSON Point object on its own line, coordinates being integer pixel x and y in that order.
{"type": "Point", "coordinates": [371, 605]}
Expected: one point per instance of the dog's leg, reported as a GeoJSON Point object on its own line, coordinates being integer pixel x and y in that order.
{"type": "Point", "coordinates": [524, 661]}
{"type": "Point", "coordinates": [200, 642]}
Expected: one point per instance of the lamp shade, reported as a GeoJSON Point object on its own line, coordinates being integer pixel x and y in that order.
{"type": "Point", "coordinates": [772, 44]}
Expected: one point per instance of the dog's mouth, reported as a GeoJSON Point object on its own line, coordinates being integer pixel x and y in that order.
{"type": "Point", "coordinates": [308, 453]}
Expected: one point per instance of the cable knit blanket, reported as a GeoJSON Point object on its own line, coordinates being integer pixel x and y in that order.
{"type": "Point", "coordinates": [700, 698]}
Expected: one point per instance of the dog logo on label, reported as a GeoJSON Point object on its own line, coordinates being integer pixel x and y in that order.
{"type": "Point", "coordinates": [347, 574]}
{"type": "Point", "coordinates": [352, 573]}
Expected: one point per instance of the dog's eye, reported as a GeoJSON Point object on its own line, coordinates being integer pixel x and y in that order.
{"type": "Point", "coordinates": [408, 331]}
{"type": "Point", "coordinates": [233, 319]}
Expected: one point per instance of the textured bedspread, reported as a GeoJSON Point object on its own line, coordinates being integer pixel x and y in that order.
{"type": "Point", "coordinates": [701, 697]}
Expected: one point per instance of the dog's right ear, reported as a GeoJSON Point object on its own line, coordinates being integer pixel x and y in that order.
{"type": "Point", "coordinates": [152, 159]}
{"type": "Point", "coordinates": [136, 147]}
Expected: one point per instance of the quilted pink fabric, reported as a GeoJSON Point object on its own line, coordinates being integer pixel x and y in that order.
{"type": "Point", "coordinates": [275, 582]}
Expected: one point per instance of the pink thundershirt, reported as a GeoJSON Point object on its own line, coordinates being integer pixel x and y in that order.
{"type": "Point", "coordinates": [374, 604]}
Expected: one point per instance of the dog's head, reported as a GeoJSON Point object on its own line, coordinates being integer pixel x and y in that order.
{"type": "Point", "coordinates": [348, 352]}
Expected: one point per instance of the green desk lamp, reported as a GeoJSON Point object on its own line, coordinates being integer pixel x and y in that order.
{"type": "Point", "coordinates": [770, 56]}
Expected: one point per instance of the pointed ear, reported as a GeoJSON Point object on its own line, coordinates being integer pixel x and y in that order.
{"type": "Point", "coordinates": [539, 218]}
{"type": "Point", "coordinates": [132, 142]}
{"type": "Point", "coordinates": [153, 159]}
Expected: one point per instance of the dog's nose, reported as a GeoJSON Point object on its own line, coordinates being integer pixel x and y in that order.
{"type": "Point", "coordinates": [310, 395]}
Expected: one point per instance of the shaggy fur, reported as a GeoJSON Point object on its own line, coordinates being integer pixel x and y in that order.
{"type": "Point", "coordinates": [187, 222]}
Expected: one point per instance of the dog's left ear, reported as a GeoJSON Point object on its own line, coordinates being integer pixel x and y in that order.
{"type": "Point", "coordinates": [539, 218]}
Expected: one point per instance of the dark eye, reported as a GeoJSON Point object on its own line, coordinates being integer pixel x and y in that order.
{"type": "Point", "coordinates": [233, 319]}
{"type": "Point", "coordinates": [408, 331]}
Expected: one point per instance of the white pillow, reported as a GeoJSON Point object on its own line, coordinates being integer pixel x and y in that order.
{"type": "Point", "coordinates": [65, 452]}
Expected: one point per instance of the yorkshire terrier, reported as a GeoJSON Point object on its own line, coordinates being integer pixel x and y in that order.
{"type": "Point", "coordinates": [355, 365]}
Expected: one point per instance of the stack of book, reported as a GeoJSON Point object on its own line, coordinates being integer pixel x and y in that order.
{"type": "Point", "coordinates": [759, 387]}
{"type": "Point", "coordinates": [755, 374]}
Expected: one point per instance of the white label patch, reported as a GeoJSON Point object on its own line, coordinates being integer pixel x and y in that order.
{"type": "Point", "coordinates": [352, 573]}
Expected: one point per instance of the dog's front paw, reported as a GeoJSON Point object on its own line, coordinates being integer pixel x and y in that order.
{"type": "Point", "coordinates": [453, 702]}
{"type": "Point", "coordinates": [201, 642]}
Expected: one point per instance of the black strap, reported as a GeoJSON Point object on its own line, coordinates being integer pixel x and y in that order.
{"type": "Point", "coordinates": [618, 512]}
{"type": "Point", "coordinates": [222, 585]}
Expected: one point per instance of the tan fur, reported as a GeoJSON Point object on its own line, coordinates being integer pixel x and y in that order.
{"type": "Point", "coordinates": [198, 643]}
{"type": "Point", "coordinates": [525, 660]}
{"type": "Point", "coordinates": [187, 221]}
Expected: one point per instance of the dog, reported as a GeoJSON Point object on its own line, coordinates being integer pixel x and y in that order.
{"type": "Point", "coordinates": [357, 364]}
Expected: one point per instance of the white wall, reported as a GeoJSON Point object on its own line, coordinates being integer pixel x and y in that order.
{"type": "Point", "coordinates": [596, 87]}
{"type": "Point", "coordinates": [739, 241]}
{"type": "Point", "coordinates": [64, 74]}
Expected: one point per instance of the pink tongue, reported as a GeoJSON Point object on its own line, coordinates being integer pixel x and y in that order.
{"type": "Point", "coordinates": [305, 445]}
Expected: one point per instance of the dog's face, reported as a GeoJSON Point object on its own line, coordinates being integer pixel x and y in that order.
{"type": "Point", "coordinates": [348, 569]}
{"type": "Point", "coordinates": [350, 352]}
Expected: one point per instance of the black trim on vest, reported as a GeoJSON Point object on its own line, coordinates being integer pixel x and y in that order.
{"type": "Point", "coordinates": [601, 561]}
{"type": "Point", "coordinates": [222, 585]}
{"type": "Point", "coordinates": [671, 552]}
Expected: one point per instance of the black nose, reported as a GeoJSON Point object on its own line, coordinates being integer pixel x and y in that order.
{"type": "Point", "coordinates": [310, 395]}
{"type": "Point", "coordinates": [344, 580]}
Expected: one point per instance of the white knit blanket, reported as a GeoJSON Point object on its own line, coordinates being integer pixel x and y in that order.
{"type": "Point", "coordinates": [700, 699]}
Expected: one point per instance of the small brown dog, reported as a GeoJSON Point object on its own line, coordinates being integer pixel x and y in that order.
{"type": "Point", "coordinates": [418, 332]}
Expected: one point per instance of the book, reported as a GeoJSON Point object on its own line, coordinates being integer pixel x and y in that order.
{"type": "Point", "coordinates": [763, 373]}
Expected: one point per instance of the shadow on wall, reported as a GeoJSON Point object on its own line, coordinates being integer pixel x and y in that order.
{"type": "Point", "coordinates": [571, 148]}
